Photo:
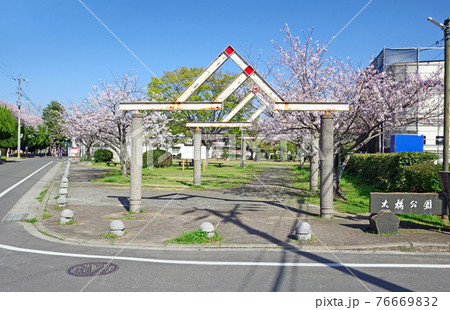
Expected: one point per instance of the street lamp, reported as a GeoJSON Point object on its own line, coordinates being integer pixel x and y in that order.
{"type": "Point", "coordinates": [446, 27]}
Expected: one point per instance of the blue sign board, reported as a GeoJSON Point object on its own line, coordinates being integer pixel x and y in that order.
{"type": "Point", "coordinates": [406, 143]}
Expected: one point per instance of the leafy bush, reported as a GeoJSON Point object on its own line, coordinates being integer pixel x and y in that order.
{"type": "Point", "coordinates": [422, 178]}
{"type": "Point", "coordinates": [102, 155]}
{"type": "Point", "coordinates": [225, 153]}
{"type": "Point", "coordinates": [386, 170]}
{"type": "Point", "coordinates": [159, 158]}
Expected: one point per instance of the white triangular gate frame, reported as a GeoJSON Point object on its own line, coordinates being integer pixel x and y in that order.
{"type": "Point", "coordinates": [217, 104]}
{"type": "Point", "coordinates": [248, 72]}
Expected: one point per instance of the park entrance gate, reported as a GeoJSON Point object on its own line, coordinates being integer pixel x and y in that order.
{"type": "Point", "coordinates": [248, 72]}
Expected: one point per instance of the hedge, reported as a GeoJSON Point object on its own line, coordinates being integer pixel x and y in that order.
{"type": "Point", "coordinates": [422, 178]}
{"type": "Point", "coordinates": [103, 155]}
{"type": "Point", "coordinates": [387, 170]}
{"type": "Point", "coordinates": [160, 159]}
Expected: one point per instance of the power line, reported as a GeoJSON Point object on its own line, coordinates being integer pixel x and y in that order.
{"type": "Point", "coordinates": [350, 21]}
{"type": "Point", "coordinates": [334, 37]}
{"type": "Point", "coordinates": [30, 101]}
{"type": "Point", "coordinates": [442, 52]}
{"type": "Point", "coordinates": [6, 73]}
{"type": "Point", "coordinates": [7, 69]}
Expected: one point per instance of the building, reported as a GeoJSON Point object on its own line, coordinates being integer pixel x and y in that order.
{"type": "Point", "coordinates": [395, 62]}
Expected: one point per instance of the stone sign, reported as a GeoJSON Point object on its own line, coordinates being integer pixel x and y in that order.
{"type": "Point", "coordinates": [409, 203]}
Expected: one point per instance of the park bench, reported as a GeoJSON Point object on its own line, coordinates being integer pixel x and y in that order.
{"type": "Point", "coordinates": [111, 163]}
{"type": "Point", "coordinates": [188, 163]}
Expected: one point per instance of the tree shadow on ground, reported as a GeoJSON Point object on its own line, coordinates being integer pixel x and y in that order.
{"type": "Point", "coordinates": [176, 197]}
{"type": "Point", "coordinates": [232, 217]}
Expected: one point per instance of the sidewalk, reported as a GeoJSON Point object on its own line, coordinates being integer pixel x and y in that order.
{"type": "Point", "coordinates": [260, 214]}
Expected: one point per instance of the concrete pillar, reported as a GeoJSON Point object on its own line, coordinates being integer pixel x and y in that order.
{"type": "Point", "coordinates": [243, 149]}
{"type": "Point", "coordinates": [326, 166]}
{"type": "Point", "coordinates": [197, 156]}
{"type": "Point", "coordinates": [137, 130]}
{"type": "Point", "coordinates": [314, 162]}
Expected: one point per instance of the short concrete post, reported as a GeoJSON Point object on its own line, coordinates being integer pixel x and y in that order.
{"type": "Point", "coordinates": [63, 192]}
{"type": "Point", "coordinates": [303, 231]}
{"type": "Point", "coordinates": [136, 162]}
{"type": "Point", "coordinates": [62, 201]}
{"type": "Point", "coordinates": [208, 228]}
{"type": "Point", "coordinates": [117, 227]}
{"type": "Point", "coordinates": [66, 216]}
{"type": "Point", "coordinates": [64, 185]}
{"type": "Point", "coordinates": [197, 156]}
{"type": "Point", "coordinates": [326, 166]}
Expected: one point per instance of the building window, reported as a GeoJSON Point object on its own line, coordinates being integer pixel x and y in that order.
{"type": "Point", "coordinates": [439, 140]}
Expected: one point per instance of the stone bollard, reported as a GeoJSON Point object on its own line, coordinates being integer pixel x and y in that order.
{"type": "Point", "coordinates": [63, 192]}
{"type": "Point", "coordinates": [62, 201]}
{"type": "Point", "coordinates": [117, 227]}
{"type": "Point", "coordinates": [66, 216]}
{"type": "Point", "coordinates": [64, 179]}
{"type": "Point", "coordinates": [208, 228]}
{"type": "Point", "coordinates": [64, 185]}
{"type": "Point", "coordinates": [303, 231]}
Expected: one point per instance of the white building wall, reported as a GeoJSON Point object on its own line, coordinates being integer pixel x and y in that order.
{"type": "Point", "coordinates": [430, 128]}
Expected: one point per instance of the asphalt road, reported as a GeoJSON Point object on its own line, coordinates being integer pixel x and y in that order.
{"type": "Point", "coordinates": [234, 270]}
{"type": "Point", "coordinates": [29, 263]}
{"type": "Point", "coordinates": [15, 171]}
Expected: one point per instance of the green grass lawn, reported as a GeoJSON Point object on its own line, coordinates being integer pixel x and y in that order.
{"type": "Point", "coordinates": [358, 198]}
{"type": "Point", "coordinates": [232, 175]}
{"type": "Point", "coordinates": [229, 175]}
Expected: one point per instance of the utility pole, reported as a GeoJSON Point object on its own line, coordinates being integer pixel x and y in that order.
{"type": "Point", "coordinates": [446, 28]}
{"type": "Point", "coordinates": [18, 118]}
{"type": "Point", "coordinates": [447, 84]}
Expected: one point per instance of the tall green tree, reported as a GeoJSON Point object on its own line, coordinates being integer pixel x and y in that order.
{"type": "Point", "coordinates": [8, 129]}
{"type": "Point", "coordinates": [169, 86]}
{"type": "Point", "coordinates": [35, 138]}
{"type": "Point", "coordinates": [53, 118]}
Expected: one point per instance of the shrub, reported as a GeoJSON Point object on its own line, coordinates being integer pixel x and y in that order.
{"type": "Point", "coordinates": [225, 154]}
{"type": "Point", "coordinates": [160, 159]}
{"type": "Point", "coordinates": [102, 155]}
{"type": "Point", "coordinates": [386, 170]}
{"type": "Point", "coordinates": [422, 178]}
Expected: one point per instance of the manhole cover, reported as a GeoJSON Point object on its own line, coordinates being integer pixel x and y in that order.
{"type": "Point", "coordinates": [92, 269]}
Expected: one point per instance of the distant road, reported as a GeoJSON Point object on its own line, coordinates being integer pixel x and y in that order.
{"type": "Point", "coordinates": [17, 177]}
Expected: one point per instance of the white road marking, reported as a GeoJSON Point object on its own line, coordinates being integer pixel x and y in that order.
{"type": "Point", "coordinates": [23, 180]}
{"type": "Point", "coordinates": [213, 263]}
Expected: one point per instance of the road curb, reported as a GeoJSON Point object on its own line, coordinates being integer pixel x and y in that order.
{"type": "Point", "coordinates": [40, 231]}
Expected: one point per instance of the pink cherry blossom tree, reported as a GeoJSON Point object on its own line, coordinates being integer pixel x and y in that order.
{"type": "Point", "coordinates": [27, 118]}
{"type": "Point", "coordinates": [98, 118]}
{"type": "Point", "coordinates": [378, 102]}
{"type": "Point", "coordinates": [32, 128]}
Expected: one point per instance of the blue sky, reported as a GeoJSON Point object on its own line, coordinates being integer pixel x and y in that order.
{"type": "Point", "coordinates": [63, 50]}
